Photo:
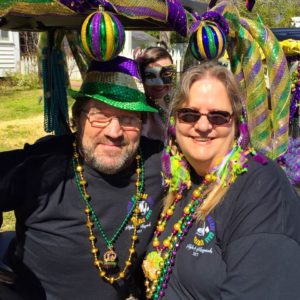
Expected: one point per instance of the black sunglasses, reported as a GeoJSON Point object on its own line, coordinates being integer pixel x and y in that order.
{"type": "Point", "coordinates": [190, 116]}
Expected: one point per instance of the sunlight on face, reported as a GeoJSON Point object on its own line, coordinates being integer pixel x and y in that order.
{"type": "Point", "coordinates": [109, 149]}
{"type": "Point", "coordinates": [204, 145]}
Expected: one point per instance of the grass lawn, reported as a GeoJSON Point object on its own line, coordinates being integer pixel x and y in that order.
{"type": "Point", "coordinates": [20, 104]}
{"type": "Point", "coordinates": [8, 221]}
{"type": "Point", "coordinates": [21, 121]}
{"type": "Point", "coordinates": [21, 115]}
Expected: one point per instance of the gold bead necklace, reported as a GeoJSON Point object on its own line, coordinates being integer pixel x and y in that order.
{"type": "Point", "coordinates": [110, 257]}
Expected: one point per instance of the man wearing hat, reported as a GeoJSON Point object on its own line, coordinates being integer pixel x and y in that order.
{"type": "Point", "coordinates": [86, 203]}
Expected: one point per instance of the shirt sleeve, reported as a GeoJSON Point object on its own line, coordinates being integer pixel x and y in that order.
{"type": "Point", "coordinates": [261, 248]}
{"type": "Point", "coordinates": [16, 167]}
{"type": "Point", "coordinates": [9, 162]}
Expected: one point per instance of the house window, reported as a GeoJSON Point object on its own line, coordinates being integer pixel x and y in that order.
{"type": "Point", "coordinates": [4, 35]}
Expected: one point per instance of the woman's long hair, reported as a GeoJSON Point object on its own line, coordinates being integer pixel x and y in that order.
{"type": "Point", "coordinates": [214, 194]}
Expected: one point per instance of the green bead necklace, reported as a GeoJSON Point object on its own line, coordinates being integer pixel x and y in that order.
{"type": "Point", "coordinates": [110, 257]}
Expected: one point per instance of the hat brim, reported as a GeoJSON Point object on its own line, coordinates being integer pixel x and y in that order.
{"type": "Point", "coordinates": [132, 106]}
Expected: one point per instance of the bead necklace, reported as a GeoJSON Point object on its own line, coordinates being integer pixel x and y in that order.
{"type": "Point", "coordinates": [110, 256]}
{"type": "Point", "coordinates": [158, 264]}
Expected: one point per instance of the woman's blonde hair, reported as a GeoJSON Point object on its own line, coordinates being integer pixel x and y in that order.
{"type": "Point", "coordinates": [216, 191]}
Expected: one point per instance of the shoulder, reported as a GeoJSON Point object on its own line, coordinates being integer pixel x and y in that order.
{"type": "Point", "coordinates": [267, 177]}
{"type": "Point", "coordinates": [50, 144]}
{"type": "Point", "coordinates": [261, 201]}
{"type": "Point", "coordinates": [44, 147]}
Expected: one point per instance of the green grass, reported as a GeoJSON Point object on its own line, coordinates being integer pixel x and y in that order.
{"type": "Point", "coordinates": [21, 121]}
{"type": "Point", "coordinates": [20, 104]}
{"type": "Point", "coordinates": [8, 221]}
{"type": "Point", "coordinates": [21, 115]}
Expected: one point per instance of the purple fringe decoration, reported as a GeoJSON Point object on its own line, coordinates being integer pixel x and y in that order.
{"type": "Point", "coordinates": [218, 19]}
{"type": "Point", "coordinates": [177, 17]}
{"type": "Point", "coordinates": [250, 4]}
{"type": "Point", "coordinates": [258, 157]}
{"type": "Point", "coordinates": [119, 64]}
{"type": "Point", "coordinates": [244, 138]}
{"type": "Point", "coordinates": [171, 131]}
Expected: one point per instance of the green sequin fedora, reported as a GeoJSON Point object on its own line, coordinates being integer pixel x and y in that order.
{"type": "Point", "coordinates": [117, 83]}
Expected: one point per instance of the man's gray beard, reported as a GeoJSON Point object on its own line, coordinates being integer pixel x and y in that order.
{"type": "Point", "coordinates": [118, 164]}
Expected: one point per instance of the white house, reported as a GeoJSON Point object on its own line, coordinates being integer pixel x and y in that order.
{"type": "Point", "coordinates": [9, 52]}
{"type": "Point", "coordinates": [134, 39]}
{"type": "Point", "coordinates": [296, 21]}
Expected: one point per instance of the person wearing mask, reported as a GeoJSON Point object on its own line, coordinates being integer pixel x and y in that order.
{"type": "Point", "coordinates": [158, 74]}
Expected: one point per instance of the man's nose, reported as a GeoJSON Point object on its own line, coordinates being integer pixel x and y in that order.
{"type": "Point", "coordinates": [114, 128]}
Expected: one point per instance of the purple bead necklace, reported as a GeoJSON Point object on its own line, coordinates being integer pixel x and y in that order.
{"type": "Point", "coordinates": [158, 264]}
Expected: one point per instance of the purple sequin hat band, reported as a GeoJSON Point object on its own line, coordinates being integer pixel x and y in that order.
{"type": "Point", "coordinates": [119, 64]}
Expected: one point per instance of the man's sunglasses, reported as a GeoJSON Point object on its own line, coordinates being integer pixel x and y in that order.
{"type": "Point", "coordinates": [190, 116]}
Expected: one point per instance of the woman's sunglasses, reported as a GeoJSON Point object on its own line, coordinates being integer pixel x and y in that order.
{"type": "Point", "coordinates": [190, 116]}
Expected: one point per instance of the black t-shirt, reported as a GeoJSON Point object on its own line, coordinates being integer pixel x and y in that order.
{"type": "Point", "coordinates": [248, 248]}
{"type": "Point", "coordinates": [52, 254]}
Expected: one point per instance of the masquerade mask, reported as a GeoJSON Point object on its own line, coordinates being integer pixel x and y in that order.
{"type": "Point", "coordinates": [157, 76]}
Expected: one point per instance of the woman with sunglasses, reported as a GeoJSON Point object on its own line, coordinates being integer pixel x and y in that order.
{"type": "Point", "coordinates": [230, 223]}
{"type": "Point", "coordinates": [158, 75]}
